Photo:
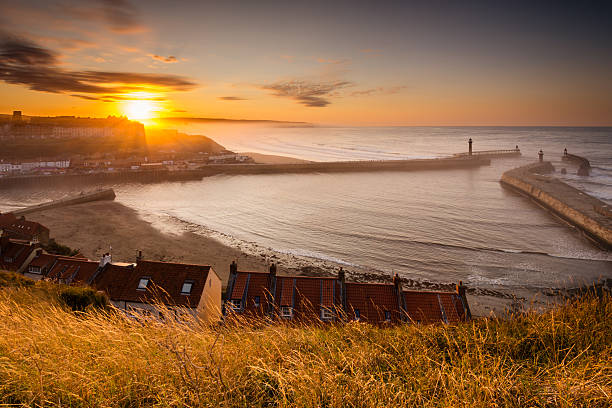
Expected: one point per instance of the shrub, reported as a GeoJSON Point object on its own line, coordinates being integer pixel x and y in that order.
{"type": "Point", "coordinates": [82, 298]}
{"type": "Point", "coordinates": [59, 249]}
{"type": "Point", "coordinates": [14, 280]}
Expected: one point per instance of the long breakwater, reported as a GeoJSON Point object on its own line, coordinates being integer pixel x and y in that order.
{"type": "Point", "coordinates": [162, 175]}
{"type": "Point", "coordinates": [587, 213]}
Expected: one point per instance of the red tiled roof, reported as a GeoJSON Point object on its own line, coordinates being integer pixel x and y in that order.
{"type": "Point", "coordinates": [252, 288]}
{"type": "Point", "coordinates": [286, 291]}
{"type": "Point", "coordinates": [11, 223]}
{"type": "Point", "coordinates": [372, 300]}
{"type": "Point", "coordinates": [14, 253]}
{"type": "Point", "coordinates": [43, 260]}
{"type": "Point", "coordinates": [307, 295]}
{"type": "Point", "coordinates": [432, 307]}
{"type": "Point", "coordinates": [166, 282]}
{"type": "Point", "coordinates": [239, 285]}
{"type": "Point", "coordinates": [327, 293]}
{"type": "Point", "coordinates": [72, 270]}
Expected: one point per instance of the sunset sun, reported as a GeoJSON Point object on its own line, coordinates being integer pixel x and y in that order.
{"type": "Point", "coordinates": [139, 109]}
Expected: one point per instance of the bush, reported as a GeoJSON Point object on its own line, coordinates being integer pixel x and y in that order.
{"type": "Point", "coordinates": [59, 249]}
{"type": "Point", "coordinates": [82, 298]}
{"type": "Point", "coordinates": [14, 280]}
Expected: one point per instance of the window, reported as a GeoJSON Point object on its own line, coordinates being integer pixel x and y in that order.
{"type": "Point", "coordinates": [287, 312]}
{"type": "Point", "coordinates": [357, 314]}
{"type": "Point", "coordinates": [34, 269]}
{"type": "Point", "coordinates": [186, 289]}
{"type": "Point", "coordinates": [326, 314]}
{"type": "Point", "coordinates": [8, 259]}
{"type": "Point", "coordinates": [387, 316]}
{"type": "Point", "coordinates": [236, 304]}
{"type": "Point", "coordinates": [257, 301]}
{"type": "Point", "coordinates": [142, 284]}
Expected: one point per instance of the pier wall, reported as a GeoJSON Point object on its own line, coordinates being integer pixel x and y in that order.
{"type": "Point", "coordinates": [576, 207]}
{"type": "Point", "coordinates": [153, 176]}
{"type": "Point", "coordinates": [108, 194]}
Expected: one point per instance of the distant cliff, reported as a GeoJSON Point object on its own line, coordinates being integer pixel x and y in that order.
{"type": "Point", "coordinates": [46, 138]}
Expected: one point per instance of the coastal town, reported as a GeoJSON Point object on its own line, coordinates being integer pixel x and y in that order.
{"type": "Point", "coordinates": [146, 288]}
{"type": "Point", "coordinates": [68, 145]}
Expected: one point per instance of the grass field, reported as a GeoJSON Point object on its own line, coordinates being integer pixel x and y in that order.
{"type": "Point", "coordinates": [52, 356]}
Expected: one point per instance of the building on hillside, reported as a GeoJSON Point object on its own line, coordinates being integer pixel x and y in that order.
{"type": "Point", "coordinates": [265, 295]}
{"type": "Point", "coordinates": [15, 255]}
{"type": "Point", "coordinates": [72, 271]}
{"type": "Point", "coordinates": [20, 228]}
{"type": "Point", "coordinates": [375, 303]}
{"type": "Point", "coordinates": [257, 295]}
{"type": "Point", "coordinates": [40, 265]}
{"type": "Point", "coordinates": [153, 288]}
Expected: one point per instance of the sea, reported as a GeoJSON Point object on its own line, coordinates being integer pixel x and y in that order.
{"type": "Point", "coordinates": [435, 225]}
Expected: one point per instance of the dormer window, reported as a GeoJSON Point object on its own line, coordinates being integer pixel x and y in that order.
{"type": "Point", "coordinates": [143, 283]}
{"type": "Point", "coordinates": [257, 301]}
{"type": "Point", "coordinates": [236, 304]}
{"type": "Point", "coordinates": [186, 289]}
{"type": "Point", "coordinates": [387, 316]}
{"type": "Point", "coordinates": [287, 312]}
{"type": "Point", "coordinates": [326, 314]}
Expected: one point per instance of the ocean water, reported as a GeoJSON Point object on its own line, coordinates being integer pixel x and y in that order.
{"type": "Point", "coordinates": [443, 225]}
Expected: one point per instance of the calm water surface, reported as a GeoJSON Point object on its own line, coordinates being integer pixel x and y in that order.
{"type": "Point", "coordinates": [435, 225]}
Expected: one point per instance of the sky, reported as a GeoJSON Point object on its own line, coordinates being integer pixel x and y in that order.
{"type": "Point", "coordinates": [358, 63]}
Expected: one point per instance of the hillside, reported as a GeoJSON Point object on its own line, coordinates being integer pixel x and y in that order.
{"type": "Point", "coordinates": [52, 356]}
{"type": "Point", "coordinates": [163, 140]}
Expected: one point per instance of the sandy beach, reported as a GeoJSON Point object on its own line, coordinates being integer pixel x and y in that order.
{"type": "Point", "coordinates": [95, 227]}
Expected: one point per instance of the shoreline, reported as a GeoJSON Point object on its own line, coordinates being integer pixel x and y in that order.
{"type": "Point", "coordinates": [95, 227]}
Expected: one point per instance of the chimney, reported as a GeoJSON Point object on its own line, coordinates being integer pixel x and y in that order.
{"type": "Point", "coordinates": [461, 289]}
{"type": "Point", "coordinates": [4, 240]}
{"type": "Point", "coordinates": [233, 268]}
{"type": "Point", "coordinates": [470, 146]}
{"type": "Point", "coordinates": [541, 155]}
{"type": "Point", "coordinates": [273, 269]}
{"type": "Point", "coordinates": [342, 280]}
{"type": "Point", "coordinates": [139, 257]}
{"type": "Point", "coordinates": [271, 290]}
{"type": "Point", "coordinates": [106, 258]}
{"type": "Point", "coordinates": [401, 302]}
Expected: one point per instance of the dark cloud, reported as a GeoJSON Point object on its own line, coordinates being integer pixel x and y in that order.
{"type": "Point", "coordinates": [169, 60]}
{"type": "Point", "coordinates": [25, 63]}
{"type": "Point", "coordinates": [121, 16]}
{"type": "Point", "coordinates": [231, 98]}
{"type": "Point", "coordinates": [382, 90]}
{"type": "Point", "coordinates": [21, 52]}
{"type": "Point", "coordinates": [308, 93]}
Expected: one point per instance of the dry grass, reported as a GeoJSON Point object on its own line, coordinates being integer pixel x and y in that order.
{"type": "Point", "coordinates": [50, 356]}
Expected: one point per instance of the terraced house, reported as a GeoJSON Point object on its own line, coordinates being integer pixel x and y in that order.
{"type": "Point", "coordinates": [155, 288]}
{"type": "Point", "coordinates": [259, 295]}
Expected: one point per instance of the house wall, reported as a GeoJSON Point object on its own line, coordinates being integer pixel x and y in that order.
{"type": "Point", "coordinates": [152, 310]}
{"type": "Point", "coordinates": [209, 309]}
{"type": "Point", "coordinates": [27, 261]}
